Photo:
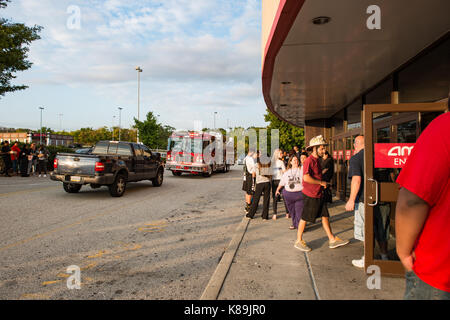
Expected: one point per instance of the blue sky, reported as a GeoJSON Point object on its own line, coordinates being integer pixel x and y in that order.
{"type": "Point", "coordinates": [198, 57]}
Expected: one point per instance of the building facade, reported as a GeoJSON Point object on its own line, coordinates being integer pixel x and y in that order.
{"type": "Point", "coordinates": [344, 68]}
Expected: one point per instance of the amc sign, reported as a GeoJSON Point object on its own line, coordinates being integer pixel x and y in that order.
{"type": "Point", "coordinates": [392, 155]}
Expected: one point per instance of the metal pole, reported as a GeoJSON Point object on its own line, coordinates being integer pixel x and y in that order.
{"type": "Point", "coordinates": [139, 70]}
{"type": "Point", "coordinates": [112, 129]}
{"type": "Point", "coordinates": [120, 119]}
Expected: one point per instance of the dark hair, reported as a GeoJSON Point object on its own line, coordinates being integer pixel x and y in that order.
{"type": "Point", "coordinates": [304, 154]}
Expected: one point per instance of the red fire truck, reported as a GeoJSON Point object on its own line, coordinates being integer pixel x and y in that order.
{"type": "Point", "coordinates": [198, 153]}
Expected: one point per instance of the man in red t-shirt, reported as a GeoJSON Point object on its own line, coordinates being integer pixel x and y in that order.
{"type": "Point", "coordinates": [15, 156]}
{"type": "Point", "coordinates": [422, 216]}
{"type": "Point", "coordinates": [315, 205]}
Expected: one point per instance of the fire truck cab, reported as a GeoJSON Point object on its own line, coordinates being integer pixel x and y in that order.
{"type": "Point", "coordinates": [197, 153]}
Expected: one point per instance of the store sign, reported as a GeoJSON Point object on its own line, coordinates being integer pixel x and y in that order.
{"type": "Point", "coordinates": [348, 154]}
{"type": "Point", "coordinates": [392, 155]}
{"type": "Point", "coordinates": [335, 154]}
{"type": "Point", "coordinates": [341, 154]}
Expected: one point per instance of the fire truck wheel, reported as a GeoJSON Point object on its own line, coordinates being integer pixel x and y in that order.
{"type": "Point", "coordinates": [209, 172]}
{"type": "Point", "coordinates": [176, 173]}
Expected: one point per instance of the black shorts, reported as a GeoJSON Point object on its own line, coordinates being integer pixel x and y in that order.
{"type": "Point", "coordinates": [314, 208]}
{"type": "Point", "coordinates": [247, 184]}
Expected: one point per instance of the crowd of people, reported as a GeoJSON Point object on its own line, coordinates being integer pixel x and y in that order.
{"type": "Point", "coordinates": [26, 161]}
{"type": "Point", "coordinates": [301, 179]}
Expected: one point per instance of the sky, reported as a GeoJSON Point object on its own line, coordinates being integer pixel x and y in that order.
{"type": "Point", "coordinates": [198, 57]}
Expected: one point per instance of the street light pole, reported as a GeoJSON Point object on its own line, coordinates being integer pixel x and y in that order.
{"type": "Point", "coordinates": [40, 130]}
{"type": "Point", "coordinates": [112, 128]}
{"type": "Point", "coordinates": [120, 119]}
{"type": "Point", "coordinates": [139, 70]}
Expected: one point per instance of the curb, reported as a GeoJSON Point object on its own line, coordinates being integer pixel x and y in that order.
{"type": "Point", "coordinates": [217, 280]}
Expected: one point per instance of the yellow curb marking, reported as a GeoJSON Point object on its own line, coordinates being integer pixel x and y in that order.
{"type": "Point", "coordinates": [99, 254]}
{"type": "Point", "coordinates": [45, 283]}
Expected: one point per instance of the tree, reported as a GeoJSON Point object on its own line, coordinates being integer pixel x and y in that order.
{"type": "Point", "coordinates": [290, 135]}
{"type": "Point", "coordinates": [15, 39]}
{"type": "Point", "coordinates": [152, 133]}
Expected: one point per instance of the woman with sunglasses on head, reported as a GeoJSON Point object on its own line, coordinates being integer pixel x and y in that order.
{"type": "Point", "coordinates": [292, 181]}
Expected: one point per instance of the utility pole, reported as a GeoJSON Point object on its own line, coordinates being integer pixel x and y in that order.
{"type": "Point", "coordinates": [139, 70]}
{"type": "Point", "coordinates": [120, 119]}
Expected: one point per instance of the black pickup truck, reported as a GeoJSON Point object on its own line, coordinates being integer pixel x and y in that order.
{"type": "Point", "coordinates": [110, 163]}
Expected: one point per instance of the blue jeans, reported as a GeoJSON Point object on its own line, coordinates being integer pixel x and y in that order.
{"type": "Point", "coordinates": [416, 289]}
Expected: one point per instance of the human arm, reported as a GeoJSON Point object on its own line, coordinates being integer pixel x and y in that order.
{"type": "Point", "coordinates": [410, 215]}
{"type": "Point", "coordinates": [307, 178]}
{"type": "Point", "coordinates": [354, 188]}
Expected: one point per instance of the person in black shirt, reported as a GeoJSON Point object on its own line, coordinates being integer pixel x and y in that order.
{"type": "Point", "coordinates": [6, 155]}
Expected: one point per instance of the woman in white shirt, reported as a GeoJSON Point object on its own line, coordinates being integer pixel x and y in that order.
{"type": "Point", "coordinates": [292, 181]}
{"type": "Point", "coordinates": [262, 175]}
{"type": "Point", "coordinates": [278, 168]}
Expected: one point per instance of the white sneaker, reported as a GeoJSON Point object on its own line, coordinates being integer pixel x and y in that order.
{"type": "Point", "coordinates": [39, 176]}
{"type": "Point", "coordinates": [359, 263]}
{"type": "Point", "coordinates": [45, 176]}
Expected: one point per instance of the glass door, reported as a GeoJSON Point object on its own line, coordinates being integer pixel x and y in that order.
{"type": "Point", "coordinates": [390, 133]}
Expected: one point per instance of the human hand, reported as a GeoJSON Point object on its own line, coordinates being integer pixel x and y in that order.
{"type": "Point", "coordinates": [323, 184]}
{"type": "Point", "coordinates": [350, 205]}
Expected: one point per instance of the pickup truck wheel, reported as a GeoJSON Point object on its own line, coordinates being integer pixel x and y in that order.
{"type": "Point", "coordinates": [117, 189]}
{"type": "Point", "coordinates": [176, 173]}
{"type": "Point", "coordinates": [157, 182]}
{"type": "Point", "coordinates": [71, 187]}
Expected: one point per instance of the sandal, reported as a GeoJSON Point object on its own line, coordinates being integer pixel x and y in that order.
{"type": "Point", "coordinates": [291, 227]}
{"type": "Point", "coordinates": [274, 217]}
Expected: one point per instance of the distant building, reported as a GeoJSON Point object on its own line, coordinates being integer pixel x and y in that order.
{"type": "Point", "coordinates": [48, 139]}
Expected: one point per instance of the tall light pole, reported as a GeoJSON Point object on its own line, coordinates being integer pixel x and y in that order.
{"type": "Point", "coordinates": [112, 128]}
{"type": "Point", "coordinates": [215, 112]}
{"type": "Point", "coordinates": [139, 70]}
{"type": "Point", "coordinates": [120, 119]}
{"type": "Point", "coordinates": [40, 130]}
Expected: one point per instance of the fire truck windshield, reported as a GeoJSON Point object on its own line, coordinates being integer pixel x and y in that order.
{"type": "Point", "coordinates": [186, 144]}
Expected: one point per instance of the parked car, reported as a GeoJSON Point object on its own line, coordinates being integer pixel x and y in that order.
{"type": "Point", "coordinates": [111, 164]}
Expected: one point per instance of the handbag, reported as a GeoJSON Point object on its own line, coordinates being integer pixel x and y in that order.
{"type": "Point", "coordinates": [327, 195]}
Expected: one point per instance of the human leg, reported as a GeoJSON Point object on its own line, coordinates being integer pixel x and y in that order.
{"type": "Point", "coordinates": [266, 201]}
{"type": "Point", "coordinates": [255, 201]}
{"type": "Point", "coordinates": [416, 289]}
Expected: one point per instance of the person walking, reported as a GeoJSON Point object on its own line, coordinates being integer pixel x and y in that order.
{"type": "Point", "coordinates": [32, 160]}
{"type": "Point", "coordinates": [356, 203]}
{"type": "Point", "coordinates": [278, 168]}
{"type": "Point", "coordinates": [314, 204]}
{"type": "Point", "coordinates": [292, 183]}
{"type": "Point", "coordinates": [23, 160]}
{"type": "Point", "coordinates": [249, 165]}
{"type": "Point", "coordinates": [15, 152]}
{"type": "Point", "coordinates": [422, 215]}
{"type": "Point", "coordinates": [42, 160]}
{"type": "Point", "coordinates": [6, 155]}
{"type": "Point", "coordinates": [262, 175]}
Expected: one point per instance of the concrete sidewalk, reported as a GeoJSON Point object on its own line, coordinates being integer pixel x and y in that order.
{"type": "Point", "coordinates": [262, 263]}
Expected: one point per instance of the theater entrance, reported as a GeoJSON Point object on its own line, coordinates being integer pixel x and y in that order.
{"type": "Point", "coordinates": [390, 132]}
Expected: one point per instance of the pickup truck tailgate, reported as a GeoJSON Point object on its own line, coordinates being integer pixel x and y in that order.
{"type": "Point", "coordinates": [77, 164]}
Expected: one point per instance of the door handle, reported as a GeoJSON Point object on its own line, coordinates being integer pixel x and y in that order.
{"type": "Point", "coordinates": [376, 193]}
